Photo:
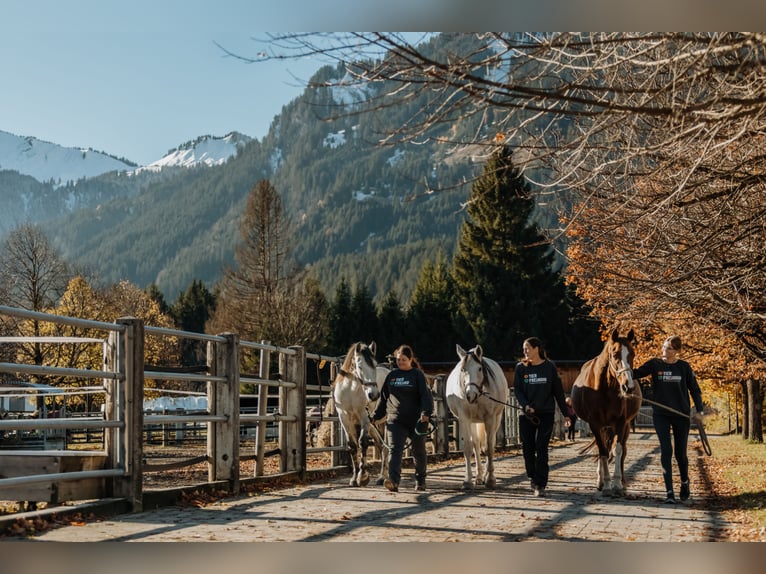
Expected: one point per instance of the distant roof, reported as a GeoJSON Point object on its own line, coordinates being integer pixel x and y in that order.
{"type": "Point", "coordinates": [20, 385]}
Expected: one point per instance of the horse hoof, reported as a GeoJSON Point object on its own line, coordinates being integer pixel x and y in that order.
{"type": "Point", "coordinates": [364, 480]}
{"type": "Point", "coordinates": [380, 481]}
{"type": "Point", "coordinates": [467, 486]}
{"type": "Point", "coordinates": [491, 484]}
{"type": "Point", "coordinates": [353, 482]}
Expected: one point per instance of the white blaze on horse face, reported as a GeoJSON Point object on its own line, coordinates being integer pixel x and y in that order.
{"type": "Point", "coordinates": [366, 372]}
{"type": "Point", "coordinates": [626, 368]}
{"type": "Point", "coordinates": [473, 377]}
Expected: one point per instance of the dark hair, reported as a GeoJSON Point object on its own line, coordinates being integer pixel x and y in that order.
{"type": "Point", "coordinates": [675, 342]}
{"type": "Point", "coordinates": [536, 343]}
{"type": "Point", "coordinates": [407, 351]}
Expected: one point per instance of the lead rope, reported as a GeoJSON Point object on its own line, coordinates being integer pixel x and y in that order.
{"type": "Point", "coordinates": [376, 431]}
{"type": "Point", "coordinates": [699, 424]}
{"type": "Point", "coordinates": [407, 444]}
{"type": "Point", "coordinates": [534, 419]}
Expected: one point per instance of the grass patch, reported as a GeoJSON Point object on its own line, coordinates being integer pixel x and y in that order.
{"type": "Point", "coordinates": [739, 468]}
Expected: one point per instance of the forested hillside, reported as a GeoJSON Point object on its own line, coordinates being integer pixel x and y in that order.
{"type": "Point", "coordinates": [371, 213]}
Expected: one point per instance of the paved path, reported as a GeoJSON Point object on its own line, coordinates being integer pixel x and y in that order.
{"type": "Point", "coordinates": [329, 510]}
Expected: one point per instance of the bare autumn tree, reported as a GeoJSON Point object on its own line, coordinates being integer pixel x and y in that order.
{"type": "Point", "coordinates": [653, 140]}
{"type": "Point", "coordinates": [264, 296]}
{"type": "Point", "coordinates": [33, 277]}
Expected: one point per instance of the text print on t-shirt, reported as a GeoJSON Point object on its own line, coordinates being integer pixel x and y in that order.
{"type": "Point", "coordinates": [668, 377]}
{"type": "Point", "coordinates": [399, 382]}
{"type": "Point", "coordinates": [535, 379]}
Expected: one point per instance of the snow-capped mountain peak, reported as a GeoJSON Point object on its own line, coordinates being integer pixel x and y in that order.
{"type": "Point", "coordinates": [47, 161]}
{"type": "Point", "coordinates": [209, 150]}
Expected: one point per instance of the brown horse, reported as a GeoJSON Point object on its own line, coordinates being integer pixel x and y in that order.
{"type": "Point", "coordinates": [606, 397]}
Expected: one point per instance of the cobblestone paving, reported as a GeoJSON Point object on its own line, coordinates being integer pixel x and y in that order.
{"type": "Point", "coordinates": [332, 511]}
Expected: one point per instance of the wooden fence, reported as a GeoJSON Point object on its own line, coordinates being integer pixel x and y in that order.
{"type": "Point", "coordinates": [123, 463]}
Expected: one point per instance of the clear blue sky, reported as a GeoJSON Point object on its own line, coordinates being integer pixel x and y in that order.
{"type": "Point", "coordinates": [135, 79]}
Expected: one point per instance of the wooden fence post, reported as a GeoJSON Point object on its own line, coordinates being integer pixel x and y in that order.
{"type": "Point", "coordinates": [441, 444]}
{"type": "Point", "coordinates": [292, 401]}
{"type": "Point", "coordinates": [125, 448]}
{"type": "Point", "coordinates": [337, 438]}
{"type": "Point", "coordinates": [223, 400]}
{"type": "Point", "coordinates": [264, 367]}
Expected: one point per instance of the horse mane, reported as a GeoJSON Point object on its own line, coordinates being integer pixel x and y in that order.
{"type": "Point", "coordinates": [348, 360]}
{"type": "Point", "coordinates": [603, 356]}
{"type": "Point", "coordinates": [484, 365]}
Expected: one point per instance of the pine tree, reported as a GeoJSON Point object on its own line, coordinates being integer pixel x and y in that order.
{"type": "Point", "coordinates": [364, 315]}
{"type": "Point", "coordinates": [341, 320]}
{"type": "Point", "coordinates": [582, 339]}
{"type": "Point", "coordinates": [392, 325]}
{"type": "Point", "coordinates": [191, 312]}
{"type": "Point", "coordinates": [506, 287]}
{"type": "Point", "coordinates": [430, 317]}
{"type": "Point", "coordinates": [154, 293]}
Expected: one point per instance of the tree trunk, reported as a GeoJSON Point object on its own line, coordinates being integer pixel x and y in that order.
{"type": "Point", "coordinates": [755, 403]}
{"type": "Point", "coordinates": [745, 411]}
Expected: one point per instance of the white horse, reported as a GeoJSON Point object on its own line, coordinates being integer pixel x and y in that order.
{"type": "Point", "coordinates": [355, 390]}
{"type": "Point", "coordinates": [477, 392]}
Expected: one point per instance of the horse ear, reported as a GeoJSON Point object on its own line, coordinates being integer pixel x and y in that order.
{"type": "Point", "coordinates": [615, 335]}
{"type": "Point", "coordinates": [631, 336]}
{"type": "Point", "coordinates": [478, 352]}
{"type": "Point", "coordinates": [460, 351]}
{"type": "Point", "coordinates": [372, 347]}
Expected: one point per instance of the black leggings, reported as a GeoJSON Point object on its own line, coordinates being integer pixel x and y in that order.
{"type": "Point", "coordinates": [534, 446]}
{"type": "Point", "coordinates": [680, 426]}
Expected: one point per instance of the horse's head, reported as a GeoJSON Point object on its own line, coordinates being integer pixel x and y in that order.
{"type": "Point", "coordinates": [620, 350]}
{"type": "Point", "coordinates": [471, 372]}
{"type": "Point", "coordinates": [364, 367]}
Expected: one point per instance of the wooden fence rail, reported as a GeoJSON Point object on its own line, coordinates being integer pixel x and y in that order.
{"type": "Point", "coordinates": [118, 465]}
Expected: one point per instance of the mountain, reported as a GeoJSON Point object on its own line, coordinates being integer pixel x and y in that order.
{"type": "Point", "coordinates": [49, 162]}
{"type": "Point", "coordinates": [40, 181]}
{"type": "Point", "coordinates": [207, 150]}
{"type": "Point", "coordinates": [357, 209]}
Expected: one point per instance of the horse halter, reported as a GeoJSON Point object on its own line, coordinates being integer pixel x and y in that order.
{"type": "Point", "coordinates": [473, 397]}
{"type": "Point", "coordinates": [370, 385]}
{"type": "Point", "coordinates": [623, 369]}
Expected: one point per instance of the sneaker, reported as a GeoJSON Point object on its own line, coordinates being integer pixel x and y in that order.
{"type": "Point", "coordinates": [391, 485]}
{"type": "Point", "coordinates": [421, 485]}
{"type": "Point", "coordinates": [685, 490]}
{"type": "Point", "coordinates": [539, 492]}
{"type": "Point", "coordinates": [532, 485]}
{"type": "Point", "coordinates": [670, 498]}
